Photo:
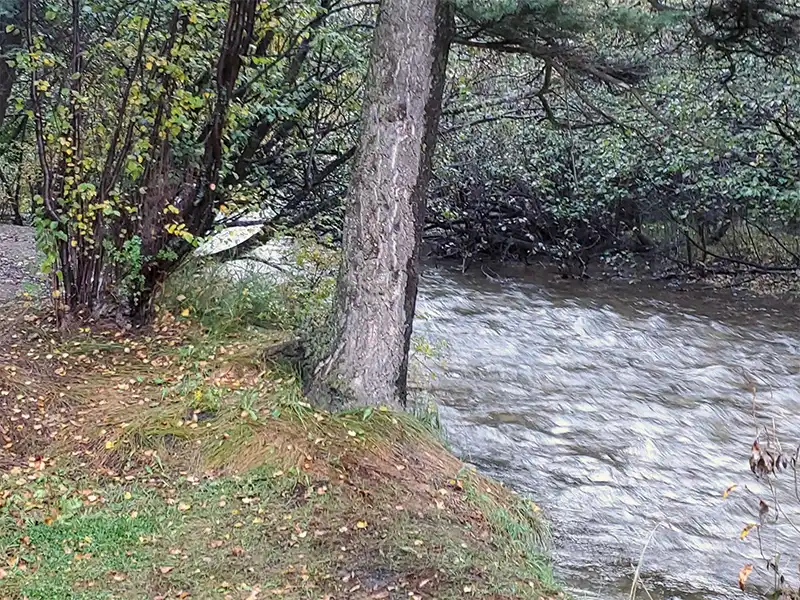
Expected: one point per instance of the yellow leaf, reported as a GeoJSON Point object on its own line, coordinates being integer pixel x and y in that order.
{"type": "Point", "coordinates": [110, 444]}
{"type": "Point", "coordinates": [183, 506]}
{"type": "Point", "coordinates": [185, 312]}
{"type": "Point", "coordinates": [747, 529]}
{"type": "Point", "coordinates": [728, 491]}
{"type": "Point", "coordinates": [361, 524]}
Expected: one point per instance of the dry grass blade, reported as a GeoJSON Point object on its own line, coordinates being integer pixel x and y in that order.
{"type": "Point", "coordinates": [632, 595]}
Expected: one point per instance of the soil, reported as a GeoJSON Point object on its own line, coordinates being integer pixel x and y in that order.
{"type": "Point", "coordinates": [17, 260]}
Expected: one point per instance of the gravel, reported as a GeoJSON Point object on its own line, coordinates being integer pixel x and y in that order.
{"type": "Point", "coordinates": [18, 260]}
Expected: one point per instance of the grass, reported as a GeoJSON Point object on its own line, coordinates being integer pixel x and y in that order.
{"type": "Point", "coordinates": [176, 463]}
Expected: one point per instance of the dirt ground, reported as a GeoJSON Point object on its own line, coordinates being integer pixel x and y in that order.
{"type": "Point", "coordinates": [17, 259]}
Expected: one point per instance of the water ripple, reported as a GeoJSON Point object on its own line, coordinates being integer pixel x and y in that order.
{"type": "Point", "coordinates": [616, 410]}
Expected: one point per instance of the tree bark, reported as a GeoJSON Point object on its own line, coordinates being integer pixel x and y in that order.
{"type": "Point", "coordinates": [7, 76]}
{"type": "Point", "coordinates": [367, 363]}
{"type": "Point", "coordinates": [9, 41]}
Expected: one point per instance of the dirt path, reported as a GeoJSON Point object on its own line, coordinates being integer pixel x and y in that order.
{"type": "Point", "coordinates": [17, 259]}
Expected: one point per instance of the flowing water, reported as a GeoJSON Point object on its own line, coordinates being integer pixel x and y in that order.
{"type": "Point", "coordinates": [617, 409]}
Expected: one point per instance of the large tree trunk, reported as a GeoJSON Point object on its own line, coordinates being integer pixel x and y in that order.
{"type": "Point", "coordinates": [377, 289]}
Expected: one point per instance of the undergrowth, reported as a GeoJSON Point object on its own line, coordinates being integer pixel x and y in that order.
{"type": "Point", "coordinates": [179, 463]}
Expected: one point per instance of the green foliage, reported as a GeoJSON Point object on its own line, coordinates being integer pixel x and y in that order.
{"type": "Point", "coordinates": [699, 152]}
{"type": "Point", "coordinates": [569, 128]}
{"type": "Point", "coordinates": [115, 146]}
{"type": "Point", "coordinates": [223, 299]}
{"type": "Point", "coordinates": [130, 262]}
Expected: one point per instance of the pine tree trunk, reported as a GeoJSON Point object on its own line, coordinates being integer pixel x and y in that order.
{"type": "Point", "coordinates": [377, 289]}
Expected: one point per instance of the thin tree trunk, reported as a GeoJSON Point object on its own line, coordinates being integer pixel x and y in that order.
{"type": "Point", "coordinates": [10, 39]}
{"type": "Point", "coordinates": [7, 76]}
{"type": "Point", "coordinates": [367, 362]}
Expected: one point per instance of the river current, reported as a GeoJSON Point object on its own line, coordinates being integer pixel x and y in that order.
{"type": "Point", "coordinates": [617, 409]}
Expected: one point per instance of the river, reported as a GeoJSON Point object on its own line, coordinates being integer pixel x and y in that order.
{"type": "Point", "coordinates": [616, 409]}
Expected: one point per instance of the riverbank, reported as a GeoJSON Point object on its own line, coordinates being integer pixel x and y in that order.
{"type": "Point", "coordinates": [656, 275]}
{"type": "Point", "coordinates": [178, 462]}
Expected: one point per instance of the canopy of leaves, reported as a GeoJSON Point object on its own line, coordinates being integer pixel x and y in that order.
{"type": "Point", "coordinates": [569, 128]}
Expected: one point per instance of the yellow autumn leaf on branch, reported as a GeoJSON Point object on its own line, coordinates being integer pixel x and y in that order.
{"type": "Point", "coordinates": [747, 529]}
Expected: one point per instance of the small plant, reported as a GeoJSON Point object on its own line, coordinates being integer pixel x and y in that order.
{"type": "Point", "coordinates": [224, 300]}
{"type": "Point", "coordinates": [775, 466]}
{"type": "Point", "coordinates": [129, 262]}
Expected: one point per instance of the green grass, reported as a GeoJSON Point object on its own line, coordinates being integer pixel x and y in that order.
{"type": "Point", "coordinates": [267, 530]}
{"type": "Point", "coordinates": [182, 465]}
{"type": "Point", "coordinates": [224, 304]}
{"type": "Point", "coordinates": [56, 547]}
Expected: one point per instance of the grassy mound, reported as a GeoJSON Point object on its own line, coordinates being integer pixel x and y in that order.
{"type": "Point", "coordinates": [178, 464]}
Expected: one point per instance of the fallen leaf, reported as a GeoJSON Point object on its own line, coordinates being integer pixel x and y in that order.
{"type": "Point", "coordinates": [744, 573]}
{"type": "Point", "coordinates": [361, 524]}
{"type": "Point", "coordinates": [165, 570]}
{"type": "Point", "coordinates": [237, 551]}
{"type": "Point", "coordinates": [728, 491]}
{"type": "Point", "coordinates": [215, 543]}
{"type": "Point", "coordinates": [183, 506]}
